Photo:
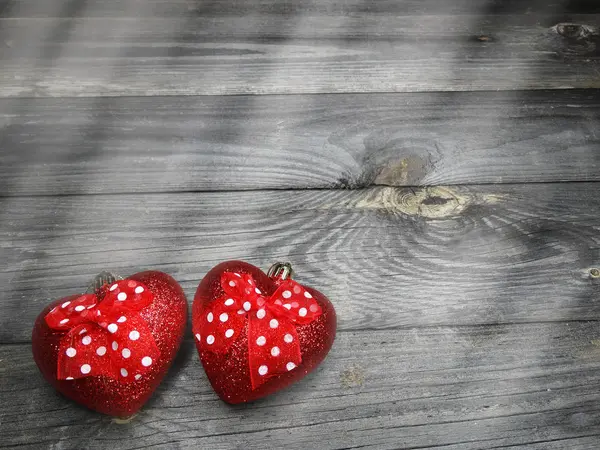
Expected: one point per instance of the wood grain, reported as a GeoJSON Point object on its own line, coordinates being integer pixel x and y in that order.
{"type": "Point", "coordinates": [452, 387]}
{"type": "Point", "coordinates": [297, 54]}
{"type": "Point", "coordinates": [386, 257]}
{"type": "Point", "coordinates": [121, 145]}
{"type": "Point", "coordinates": [202, 8]}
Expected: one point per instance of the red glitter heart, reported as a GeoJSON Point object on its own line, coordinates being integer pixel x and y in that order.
{"type": "Point", "coordinates": [241, 364]}
{"type": "Point", "coordinates": [163, 314]}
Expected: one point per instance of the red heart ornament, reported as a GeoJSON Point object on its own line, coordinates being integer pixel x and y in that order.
{"type": "Point", "coordinates": [256, 333]}
{"type": "Point", "coordinates": [109, 350]}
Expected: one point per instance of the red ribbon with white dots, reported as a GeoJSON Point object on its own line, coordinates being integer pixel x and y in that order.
{"type": "Point", "coordinates": [273, 346]}
{"type": "Point", "coordinates": [105, 337]}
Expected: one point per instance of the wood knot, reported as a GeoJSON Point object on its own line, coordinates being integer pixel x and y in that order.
{"type": "Point", "coordinates": [352, 377]}
{"type": "Point", "coordinates": [575, 40]}
{"type": "Point", "coordinates": [482, 38]}
{"type": "Point", "coordinates": [433, 202]}
{"type": "Point", "coordinates": [574, 31]}
{"type": "Point", "coordinates": [429, 202]}
{"type": "Point", "coordinates": [594, 272]}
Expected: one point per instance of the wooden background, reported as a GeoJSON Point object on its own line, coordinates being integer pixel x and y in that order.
{"type": "Point", "coordinates": [433, 166]}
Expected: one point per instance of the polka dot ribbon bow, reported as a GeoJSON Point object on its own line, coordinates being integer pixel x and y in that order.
{"type": "Point", "coordinates": [273, 346]}
{"type": "Point", "coordinates": [105, 337]}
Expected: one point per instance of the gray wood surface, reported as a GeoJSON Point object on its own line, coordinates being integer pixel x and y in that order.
{"type": "Point", "coordinates": [528, 385]}
{"type": "Point", "coordinates": [210, 8]}
{"type": "Point", "coordinates": [293, 54]}
{"type": "Point", "coordinates": [116, 145]}
{"type": "Point", "coordinates": [432, 166]}
{"type": "Point", "coordinates": [387, 257]}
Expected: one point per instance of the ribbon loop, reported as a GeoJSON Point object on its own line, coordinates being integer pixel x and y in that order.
{"type": "Point", "coordinates": [242, 288]}
{"type": "Point", "coordinates": [105, 337]}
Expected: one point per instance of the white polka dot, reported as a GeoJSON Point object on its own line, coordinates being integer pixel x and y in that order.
{"type": "Point", "coordinates": [288, 338]}
{"type": "Point", "coordinates": [101, 351]}
{"type": "Point", "coordinates": [261, 313]}
{"type": "Point", "coordinates": [247, 306]}
{"type": "Point", "coordinates": [229, 302]}
{"type": "Point", "coordinates": [232, 283]}
{"type": "Point", "coordinates": [134, 335]}
{"type": "Point", "coordinates": [91, 306]}
{"type": "Point", "coordinates": [124, 372]}
{"type": "Point", "coordinates": [62, 322]}
{"type": "Point", "coordinates": [286, 294]}
{"type": "Point", "coordinates": [79, 308]}
{"type": "Point", "coordinates": [297, 289]}
{"type": "Point", "coordinates": [131, 284]}
{"type": "Point", "coordinates": [138, 376]}
{"type": "Point", "coordinates": [126, 353]}
{"type": "Point", "coordinates": [287, 306]}
{"type": "Point", "coordinates": [229, 333]}
{"type": "Point", "coordinates": [241, 311]}
{"type": "Point", "coordinates": [146, 361]}
{"type": "Point", "coordinates": [278, 301]}
{"type": "Point", "coordinates": [275, 351]}
{"type": "Point", "coordinates": [113, 287]}
{"type": "Point", "coordinates": [87, 340]}
{"type": "Point", "coordinates": [237, 275]}
{"type": "Point", "coordinates": [223, 317]}
{"type": "Point", "coordinates": [53, 309]}
{"type": "Point", "coordinates": [314, 307]}
{"type": "Point", "coordinates": [65, 304]}
{"type": "Point", "coordinates": [139, 290]}
{"type": "Point", "coordinates": [86, 368]}
{"type": "Point", "coordinates": [71, 352]}
{"type": "Point", "coordinates": [307, 295]}
{"type": "Point", "coordinates": [302, 312]}
{"type": "Point", "coordinates": [274, 323]}
{"type": "Point", "coordinates": [261, 341]}
{"type": "Point", "coordinates": [69, 378]}
{"type": "Point", "coordinates": [257, 290]}
{"type": "Point", "coordinates": [262, 370]}
{"type": "Point", "coordinates": [250, 281]}
{"type": "Point", "coordinates": [82, 331]}
{"type": "Point", "coordinates": [122, 296]}
{"type": "Point", "coordinates": [121, 319]}
{"type": "Point", "coordinates": [115, 346]}
{"type": "Point", "coordinates": [210, 317]}
{"type": "Point", "coordinates": [198, 337]}
{"type": "Point", "coordinates": [290, 366]}
{"type": "Point", "coordinates": [113, 328]}
{"type": "Point", "coordinates": [210, 339]}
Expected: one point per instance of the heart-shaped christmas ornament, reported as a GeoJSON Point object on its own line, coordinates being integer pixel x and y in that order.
{"type": "Point", "coordinates": [258, 333]}
{"type": "Point", "coordinates": [109, 349]}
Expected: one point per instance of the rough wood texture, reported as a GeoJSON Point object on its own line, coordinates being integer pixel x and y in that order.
{"type": "Point", "coordinates": [203, 8]}
{"type": "Point", "coordinates": [468, 312]}
{"type": "Point", "coordinates": [74, 146]}
{"type": "Point", "coordinates": [533, 385]}
{"type": "Point", "coordinates": [387, 257]}
{"type": "Point", "coordinates": [284, 54]}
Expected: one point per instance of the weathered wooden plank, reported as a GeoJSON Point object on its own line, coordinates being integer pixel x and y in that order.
{"type": "Point", "coordinates": [454, 387]}
{"type": "Point", "coordinates": [112, 145]}
{"type": "Point", "coordinates": [274, 54]}
{"type": "Point", "coordinates": [201, 8]}
{"type": "Point", "coordinates": [386, 257]}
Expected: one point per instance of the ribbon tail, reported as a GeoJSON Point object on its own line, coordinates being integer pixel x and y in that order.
{"type": "Point", "coordinates": [219, 325]}
{"type": "Point", "coordinates": [273, 347]}
{"type": "Point", "coordinates": [133, 351]}
{"type": "Point", "coordinates": [83, 353]}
